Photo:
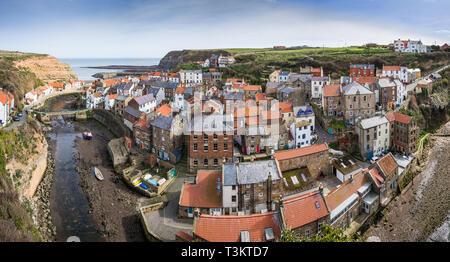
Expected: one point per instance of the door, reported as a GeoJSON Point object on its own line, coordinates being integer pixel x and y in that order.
{"type": "Point", "coordinates": [190, 212]}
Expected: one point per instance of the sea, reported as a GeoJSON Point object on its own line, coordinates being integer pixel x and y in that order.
{"type": "Point", "coordinates": [85, 74]}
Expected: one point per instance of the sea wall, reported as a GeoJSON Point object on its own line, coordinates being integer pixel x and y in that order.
{"type": "Point", "coordinates": [112, 122]}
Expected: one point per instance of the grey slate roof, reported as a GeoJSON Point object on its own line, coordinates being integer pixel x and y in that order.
{"type": "Point", "coordinates": [354, 87]}
{"type": "Point", "coordinates": [286, 90]}
{"type": "Point", "coordinates": [373, 121]}
{"type": "Point", "coordinates": [229, 175]}
{"type": "Point", "coordinates": [371, 66]}
{"type": "Point", "coordinates": [272, 84]}
{"type": "Point", "coordinates": [154, 91]}
{"type": "Point", "coordinates": [233, 96]}
{"type": "Point", "coordinates": [320, 78]}
{"type": "Point", "coordinates": [212, 123]}
{"type": "Point", "coordinates": [256, 172]}
{"type": "Point", "coordinates": [133, 112]}
{"type": "Point", "coordinates": [163, 122]}
{"type": "Point", "coordinates": [164, 84]}
{"type": "Point", "coordinates": [141, 100]}
{"type": "Point", "coordinates": [121, 98]}
{"type": "Point", "coordinates": [284, 73]}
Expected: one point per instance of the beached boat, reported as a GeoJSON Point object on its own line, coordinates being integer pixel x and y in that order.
{"type": "Point", "coordinates": [98, 174]}
{"type": "Point", "coordinates": [87, 135]}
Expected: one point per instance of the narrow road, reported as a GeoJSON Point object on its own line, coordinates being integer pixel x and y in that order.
{"type": "Point", "coordinates": [17, 123]}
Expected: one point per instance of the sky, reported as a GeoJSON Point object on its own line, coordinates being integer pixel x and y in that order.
{"type": "Point", "coordinates": [150, 29]}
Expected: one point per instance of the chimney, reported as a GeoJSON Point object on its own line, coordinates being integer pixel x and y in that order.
{"type": "Point", "coordinates": [269, 192]}
{"type": "Point", "coordinates": [321, 188]}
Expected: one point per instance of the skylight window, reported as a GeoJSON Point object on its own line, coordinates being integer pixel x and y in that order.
{"type": "Point", "coordinates": [317, 205]}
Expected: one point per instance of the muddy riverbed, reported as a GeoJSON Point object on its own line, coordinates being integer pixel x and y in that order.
{"type": "Point", "coordinates": [81, 205]}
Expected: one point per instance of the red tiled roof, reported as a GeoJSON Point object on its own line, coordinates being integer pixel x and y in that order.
{"type": "Point", "coordinates": [344, 191]}
{"type": "Point", "coordinates": [179, 90]}
{"type": "Point", "coordinates": [293, 153]}
{"type": "Point", "coordinates": [390, 116]}
{"type": "Point", "coordinates": [57, 85]}
{"type": "Point", "coordinates": [315, 70]}
{"type": "Point", "coordinates": [387, 164]}
{"type": "Point", "coordinates": [228, 228]}
{"type": "Point", "coordinates": [402, 118]}
{"type": "Point", "coordinates": [204, 192]}
{"type": "Point", "coordinates": [246, 112]}
{"type": "Point", "coordinates": [3, 98]}
{"type": "Point", "coordinates": [331, 90]}
{"type": "Point", "coordinates": [365, 79]}
{"type": "Point", "coordinates": [164, 110]}
{"type": "Point", "coordinates": [375, 176]}
{"type": "Point", "coordinates": [113, 96]}
{"type": "Point", "coordinates": [285, 107]}
{"type": "Point", "coordinates": [252, 87]}
{"type": "Point", "coordinates": [302, 210]}
{"type": "Point", "coordinates": [391, 68]}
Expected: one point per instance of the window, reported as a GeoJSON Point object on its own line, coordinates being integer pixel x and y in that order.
{"type": "Point", "coordinates": [233, 198]}
{"type": "Point", "coordinates": [260, 194]}
{"type": "Point", "coordinates": [225, 147]}
{"type": "Point", "coordinates": [247, 186]}
{"type": "Point", "coordinates": [205, 148]}
{"type": "Point", "coordinates": [260, 184]}
{"type": "Point", "coordinates": [195, 147]}
{"type": "Point", "coordinates": [233, 187]}
{"type": "Point", "coordinates": [195, 137]}
{"type": "Point", "coordinates": [216, 161]}
{"type": "Point", "coordinates": [215, 136]}
{"type": "Point", "coordinates": [319, 227]}
{"type": "Point", "coordinates": [205, 162]}
{"type": "Point", "coordinates": [215, 147]}
{"type": "Point", "coordinates": [307, 233]}
{"type": "Point", "coordinates": [246, 197]}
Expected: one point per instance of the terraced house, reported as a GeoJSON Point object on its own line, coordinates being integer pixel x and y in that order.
{"type": "Point", "coordinates": [358, 102]}
{"type": "Point", "coordinates": [304, 213]}
{"type": "Point", "coordinates": [404, 133]}
{"type": "Point", "coordinates": [167, 141]}
{"type": "Point", "coordinates": [373, 136]}
{"type": "Point", "coordinates": [209, 142]}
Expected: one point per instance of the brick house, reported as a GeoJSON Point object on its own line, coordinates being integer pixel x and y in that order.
{"type": "Point", "coordinates": [404, 133]}
{"type": "Point", "coordinates": [251, 90]}
{"type": "Point", "coordinates": [142, 132]}
{"type": "Point", "coordinates": [131, 116]}
{"type": "Point", "coordinates": [209, 141]}
{"type": "Point", "coordinates": [358, 102]}
{"type": "Point", "coordinates": [167, 141]}
{"type": "Point", "coordinates": [332, 101]}
{"type": "Point", "coordinates": [353, 197]}
{"type": "Point", "coordinates": [315, 158]}
{"type": "Point", "coordinates": [362, 70]}
{"type": "Point", "coordinates": [373, 136]}
{"type": "Point", "coordinates": [121, 102]}
{"type": "Point", "coordinates": [384, 176]}
{"type": "Point", "coordinates": [259, 186]}
{"type": "Point", "coordinates": [304, 213]}
{"type": "Point", "coordinates": [203, 196]}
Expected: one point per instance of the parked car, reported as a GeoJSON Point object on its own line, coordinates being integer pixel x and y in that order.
{"type": "Point", "coordinates": [16, 118]}
{"type": "Point", "coordinates": [20, 114]}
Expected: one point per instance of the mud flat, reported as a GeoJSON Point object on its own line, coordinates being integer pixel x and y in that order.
{"type": "Point", "coordinates": [112, 204]}
{"type": "Point", "coordinates": [423, 208]}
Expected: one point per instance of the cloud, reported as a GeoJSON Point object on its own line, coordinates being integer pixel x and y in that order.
{"type": "Point", "coordinates": [139, 28]}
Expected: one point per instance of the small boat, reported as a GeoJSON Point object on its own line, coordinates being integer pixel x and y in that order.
{"type": "Point", "coordinates": [87, 135]}
{"type": "Point", "coordinates": [98, 174]}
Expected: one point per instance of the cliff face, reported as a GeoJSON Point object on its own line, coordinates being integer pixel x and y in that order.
{"type": "Point", "coordinates": [47, 68]}
{"type": "Point", "coordinates": [178, 58]}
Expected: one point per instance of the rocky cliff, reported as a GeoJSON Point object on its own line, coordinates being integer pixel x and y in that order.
{"type": "Point", "coordinates": [47, 68]}
{"type": "Point", "coordinates": [178, 58]}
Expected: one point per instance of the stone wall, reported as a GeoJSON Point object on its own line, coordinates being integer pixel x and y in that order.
{"type": "Point", "coordinates": [315, 162]}
{"type": "Point", "coordinates": [112, 122]}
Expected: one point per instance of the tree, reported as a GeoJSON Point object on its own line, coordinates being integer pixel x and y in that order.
{"type": "Point", "coordinates": [327, 234]}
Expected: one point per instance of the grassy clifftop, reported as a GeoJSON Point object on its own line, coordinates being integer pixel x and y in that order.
{"type": "Point", "coordinates": [255, 64]}
{"type": "Point", "coordinates": [17, 81]}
